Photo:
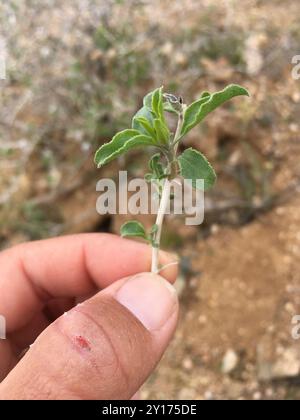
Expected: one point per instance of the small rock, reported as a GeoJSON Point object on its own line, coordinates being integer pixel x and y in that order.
{"type": "Point", "coordinates": [186, 394]}
{"type": "Point", "coordinates": [294, 128]}
{"type": "Point", "coordinates": [208, 395]}
{"type": "Point", "coordinates": [257, 396]}
{"type": "Point", "coordinates": [253, 55]}
{"type": "Point", "coordinates": [296, 97]}
{"type": "Point", "coordinates": [288, 365]}
{"type": "Point", "coordinates": [289, 307]}
{"type": "Point", "coordinates": [214, 229]}
{"type": "Point", "coordinates": [180, 59]}
{"type": "Point", "coordinates": [167, 49]}
{"type": "Point", "coordinates": [194, 282]}
{"type": "Point", "coordinates": [279, 364]}
{"type": "Point", "coordinates": [269, 392]}
{"type": "Point", "coordinates": [230, 361]}
{"type": "Point", "coordinates": [202, 319]}
{"type": "Point", "coordinates": [187, 363]}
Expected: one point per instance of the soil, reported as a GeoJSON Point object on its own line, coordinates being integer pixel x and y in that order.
{"type": "Point", "coordinates": [243, 298]}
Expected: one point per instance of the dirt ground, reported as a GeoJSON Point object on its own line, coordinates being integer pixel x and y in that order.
{"type": "Point", "coordinates": [243, 299]}
{"type": "Point", "coordinates": [239, 284]}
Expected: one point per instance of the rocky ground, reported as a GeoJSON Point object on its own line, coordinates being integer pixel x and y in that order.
{"type": "Point", "coordinates": [235, 335]}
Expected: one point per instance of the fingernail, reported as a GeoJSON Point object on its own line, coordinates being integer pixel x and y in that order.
{"type": "Point", "coordinates": [150, 298]}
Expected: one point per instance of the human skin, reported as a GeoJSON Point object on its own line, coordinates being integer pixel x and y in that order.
{"type": "Point", "coordinates": [106, 346]}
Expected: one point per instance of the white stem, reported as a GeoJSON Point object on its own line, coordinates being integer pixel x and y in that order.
{"type": "Point", "coordinates": [165, 196]}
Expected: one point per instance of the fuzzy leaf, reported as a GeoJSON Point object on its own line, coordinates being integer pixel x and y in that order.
{"type": "Point", "coordinates": [168, 107]}
{"type": "Point", "coordinates": [121, 143]}
{"type": "Point", "coordinates": [155, 166]}
{"type": "Point", "coordinates": [162, 131]}
{"type": "Point", "coordinates": [199, 109]}
{"type": "Point", "coordinates": [145, 113]}
{"type": "Point", "coordinates": [147, 101]}
{"type": "Point", "coordinates": [157, 103]}
{"type": "Point", "coordinates": [154, 229]}
{"type": "Point", "coordinates": [133, 228]}
{"type": "Point", "coordinates": [143, 126]}
{"type": "Point", "coordinates": [194, 165]}
{"type": "Point", "coordinates": [148, 177]}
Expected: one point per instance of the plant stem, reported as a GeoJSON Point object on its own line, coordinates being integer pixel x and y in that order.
{"type": "Point", "coordinates": [165, 197]}
{"type": "Point", "coordinates": [177, 133]}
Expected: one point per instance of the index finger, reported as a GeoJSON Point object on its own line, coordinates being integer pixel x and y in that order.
{"type": "Point", "coordinates": [33, 273]}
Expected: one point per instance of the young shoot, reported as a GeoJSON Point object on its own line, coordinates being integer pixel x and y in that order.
{"type": "Point", "coordinates": [150, 129]}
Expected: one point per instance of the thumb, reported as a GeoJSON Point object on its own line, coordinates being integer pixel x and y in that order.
{"type": "Point", "coordinates": [104, 348]}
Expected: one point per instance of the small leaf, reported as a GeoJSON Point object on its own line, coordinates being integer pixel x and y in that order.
{"type": "Point", "coordinates": [163, 176]}
{"type": "Point", "coordinates": [169, 108]}
{"type": "Point", "coordinates": [204, 94]}
{"type": "Point", "coordinates": [154, 161]}
{"type": "Point", "coordinates": [133, 228]}
{"type": "Point", "coordinates": [194, 166]}
{"type": "Point", "coordinates": [148, 177]}
{"type": "Point", "coordinates": [154, 229]}
{"type": "Point", "coordinates": [144, 113]}
{"type": "Point", "coordinates": [121, 143]}
{"type": "Point", "coordinates": [143, 126]}
{"type": "Point", "coordinates": [162, 131]}
{"type": "Point", "coordinates": [172, 103]}
{"type": "Point", "coordinates": [157, 103]}
{"type": "Point", "coordinates": [198, 110]}
{"type": "Point", "coordinates": [156, 167]}
{"type": "Point", "coordinates": [147, 101]}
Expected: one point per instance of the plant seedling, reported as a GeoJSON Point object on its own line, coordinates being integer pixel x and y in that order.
{"type": "Point", "coordinates": [150, 129]}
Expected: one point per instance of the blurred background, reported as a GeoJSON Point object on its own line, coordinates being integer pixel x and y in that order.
{"type": "Point", "coordinates": [76, 72]}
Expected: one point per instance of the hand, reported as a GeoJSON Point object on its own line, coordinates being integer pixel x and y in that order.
{"type": "Point", "coordinates": [102, 348]}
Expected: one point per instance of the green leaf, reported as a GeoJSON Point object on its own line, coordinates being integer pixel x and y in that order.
{"type": "Point", "coordinates": [147, 101]}
{"type": "Point", "coordinates": [143, 126]}
{"type": "Point", "coordinates": [169, 108]}
{"type": "Point", "coordinates": [194, 165]}
{"type": "Point", "coordinates": [154, 229]}
{"type": "Point", "coordinates": [172, 103]}
{"type": "Point", "coordinates": [157, 103]}
{"type": "Point", "coordinates": [148, 177]}
{"type": "Point", "coordinates": [198, 110]}
{"type": "Point", "coordinates": [155, 166]}
{"type": "Point", "coordinates": [121, 143]}
{"type": "Point", "coordinates": [204, 94]}
{"type": "Point", "coordinates": [162, 131]}
{"type": "Point", "coordinates": [133, 228]}
{"type": "Point", "coordinates": [145, 114]}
